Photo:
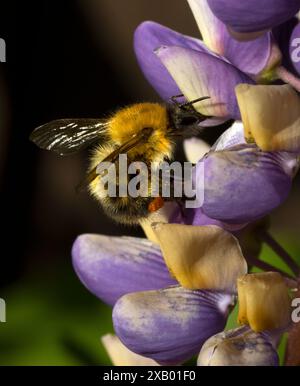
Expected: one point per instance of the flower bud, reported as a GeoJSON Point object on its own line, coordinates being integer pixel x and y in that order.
{"type": "Point", "coordinates": [121, 356]}
{"type": "Point", "coordinates": [238, 347]}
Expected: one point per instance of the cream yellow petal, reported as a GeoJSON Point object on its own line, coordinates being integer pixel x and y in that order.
{"type": "Point", "coordinates": [121, 356]}
{"type": "Point", "coordinates": [271, 116]}
{"type": "Point", "coordinates": [163, 215]}
{"type": "Point", "coordinates": [210, 27]}
{"type": "Point", "coordinates": [264, 301]}
{"type": "Point", "coordinates": [201, 257]}
{"type": "Point", "coordinates": [195, 149]}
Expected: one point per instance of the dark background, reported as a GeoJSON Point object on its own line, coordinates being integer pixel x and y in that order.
{"type": "Point", "coordinates": [66, 59]}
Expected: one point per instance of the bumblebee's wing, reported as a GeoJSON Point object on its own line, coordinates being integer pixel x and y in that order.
{"type": "Point", "coordinates": [67, 136]}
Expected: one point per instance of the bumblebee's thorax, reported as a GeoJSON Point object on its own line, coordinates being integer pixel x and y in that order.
{"type": "Point", "coordinates": [130, 121]}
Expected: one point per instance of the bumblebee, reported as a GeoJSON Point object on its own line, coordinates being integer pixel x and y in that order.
{"type": "Point", "coordinates": [145, 132]}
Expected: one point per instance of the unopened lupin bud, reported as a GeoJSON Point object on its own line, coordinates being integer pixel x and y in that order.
{"type": "Point", "coordinates": [121, 356]}
{"type": "Point", "coordinates": [238, 347]}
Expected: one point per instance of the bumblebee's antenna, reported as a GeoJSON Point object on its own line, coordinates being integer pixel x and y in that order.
{"type": "Point", "coordinates": [194, 101]}
{"type": "Point", "coordinates": [186, 104]}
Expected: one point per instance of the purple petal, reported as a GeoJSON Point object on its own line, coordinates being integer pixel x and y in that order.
{"type": "Point", "coordinates": [170, 325]}
{"type": "Point", "coordinates": [148, 37]}
{"type": "Point", "coordinates": [254, 15]}
{"type": "Point", "coordinates": [251, 57]}
{"type": "Point", "coordinates": [113, 266]}
{"type": "Point", "coordinates": [245, 184]}
{"type": "Point", "coordinates": [202, 74]}
{"type": "Point", "coordinates": [198, 217]}
{"type": "Point", "coordinates": [294, 48]}
{"type": "Point", "coordinates": [233, 136]}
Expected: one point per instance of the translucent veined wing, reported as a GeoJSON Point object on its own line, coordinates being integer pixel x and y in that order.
{"type": "Point", "coordinates": [67, 136]}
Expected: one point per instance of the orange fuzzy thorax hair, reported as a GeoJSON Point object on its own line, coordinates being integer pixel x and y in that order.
{"type": "Point", "coordinates": [131, 120]}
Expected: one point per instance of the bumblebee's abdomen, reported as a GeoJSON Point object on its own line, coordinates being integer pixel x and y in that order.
{"type": "Point", "coordinates": [128, 210]}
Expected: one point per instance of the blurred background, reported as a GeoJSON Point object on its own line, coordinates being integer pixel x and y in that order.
{"type": "Point", "coordinates": [69, 59]}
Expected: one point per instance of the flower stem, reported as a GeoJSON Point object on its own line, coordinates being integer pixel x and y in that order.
{"type": "Point", "coordinates": [265, 266]}
{"type": "Point", "coordinates": [292, 284]}
{"type": "Point", "coordinates": [288, 77]}
{"type": "Point", "coordinates": [280, 251]}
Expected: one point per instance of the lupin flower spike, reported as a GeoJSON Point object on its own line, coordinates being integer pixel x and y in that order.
{"type": "Point", "coordinates": [172, 294]}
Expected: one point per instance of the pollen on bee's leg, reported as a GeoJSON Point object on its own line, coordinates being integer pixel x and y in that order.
{"type": "Point", "coordinates": [156, 204]}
